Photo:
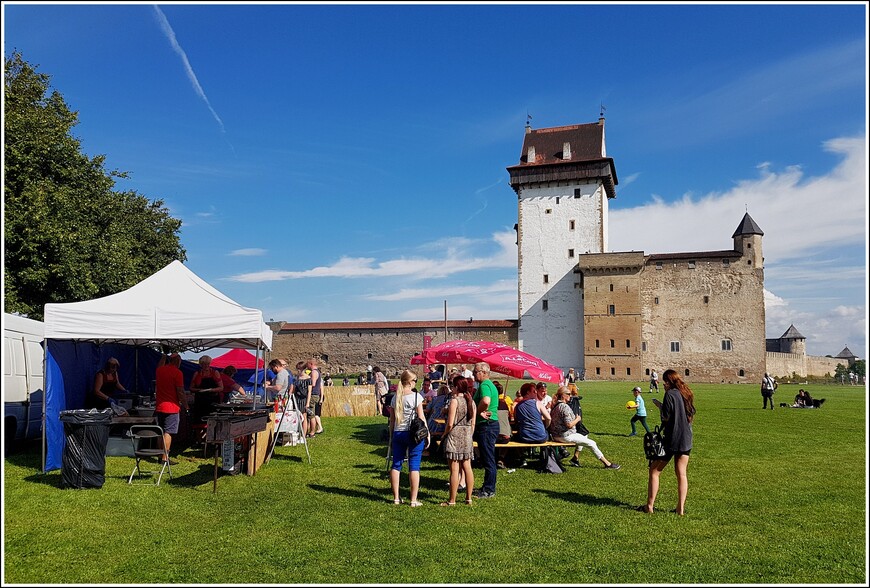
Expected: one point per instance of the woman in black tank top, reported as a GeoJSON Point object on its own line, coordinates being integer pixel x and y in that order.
{"type": "Point", "coordinates": [207, 387]}
{"type": "Point", "coordinates": [106, 383]}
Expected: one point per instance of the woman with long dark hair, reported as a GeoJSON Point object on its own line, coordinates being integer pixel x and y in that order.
{"type": "Point", "coordinates": [678, 412]}
{"type": "Point", "coordinates": [458, 432]}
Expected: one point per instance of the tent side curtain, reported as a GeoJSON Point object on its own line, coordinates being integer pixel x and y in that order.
{"type": "Point", "coordinates": [70, 368]}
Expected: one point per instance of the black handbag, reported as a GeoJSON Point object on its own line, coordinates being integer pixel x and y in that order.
{"type": "Point", "coordinates": [654, 444]}
{"type": "Point", "coordinates": [417, 429]}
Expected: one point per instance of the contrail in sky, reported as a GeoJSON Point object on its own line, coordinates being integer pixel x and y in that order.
{"type": "Point", "coordinates": [170, 34]}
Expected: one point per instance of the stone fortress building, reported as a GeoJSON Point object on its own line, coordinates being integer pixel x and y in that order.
{"type": "Point", "coordinates": [610, 315]}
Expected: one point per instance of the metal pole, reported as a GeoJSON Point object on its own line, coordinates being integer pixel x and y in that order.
{"type": "Point", "coordinates": [256, 377]}
{"type": "Point", "coordinates": [445, 321]}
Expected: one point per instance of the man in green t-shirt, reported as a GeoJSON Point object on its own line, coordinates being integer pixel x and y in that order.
{"type": "Point", "coordinates": [486, 427]}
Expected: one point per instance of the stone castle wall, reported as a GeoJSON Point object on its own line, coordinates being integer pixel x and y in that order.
{"type": "Point", "coordinates": [638, 309]}
{"type": "Point", "coordinates": [351, 350]}
{"type": "Point", "coordinates": [785, 364]}
{"type": "Point", "coordinates": [714, 311]}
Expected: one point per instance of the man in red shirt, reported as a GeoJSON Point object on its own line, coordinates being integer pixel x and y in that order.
{"type": "Point", "coordinates": [170, 398]}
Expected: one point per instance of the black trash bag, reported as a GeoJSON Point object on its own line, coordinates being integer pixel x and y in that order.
{"type": "Point", "coordinates": [83, 464]}
{"type": "Point", "coordinates": [548, 464]}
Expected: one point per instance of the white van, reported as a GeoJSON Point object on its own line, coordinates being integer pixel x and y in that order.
{"type": "Point", "coordinates": [23, 395]}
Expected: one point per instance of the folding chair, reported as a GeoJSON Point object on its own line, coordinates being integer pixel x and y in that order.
{"type": "Point", "coordinates": [142, 437]}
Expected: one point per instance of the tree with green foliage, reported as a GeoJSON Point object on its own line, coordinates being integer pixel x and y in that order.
{"type": "Point", "coordinates": [69, 236]}
{"type": "Point", "coordinates": [860, 368]}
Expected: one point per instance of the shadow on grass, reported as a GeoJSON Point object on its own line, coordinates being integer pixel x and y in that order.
{"type": "Point", "coordinates": [377, 469]}
{"type": "Point", "coordinates": [294, 457]}
{"type": "Point", "coordinates": [578, 498]}
{"type": "Point", "coordinates": [371, 434]}
{"type": "Point", "coordinates": [25, 455]}
{"type": "Point", "coordinates": [49, 479]}
{"type": "Point", "coordinates": [204, 474]}
{"type": "Point", "coordinates": [375, 494]}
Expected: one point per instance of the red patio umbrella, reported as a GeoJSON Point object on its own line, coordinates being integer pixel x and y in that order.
{"type": "Point", "coordinates": [501, 358]}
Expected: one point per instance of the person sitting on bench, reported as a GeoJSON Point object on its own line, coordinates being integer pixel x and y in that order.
{"type": "Point", "coordinates": [563, 428]}
{"type": "Point", "coordinates": [531, 418]}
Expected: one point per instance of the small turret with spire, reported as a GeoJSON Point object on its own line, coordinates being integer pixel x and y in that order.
{"type": "Point", "coordinates": [747, 240]}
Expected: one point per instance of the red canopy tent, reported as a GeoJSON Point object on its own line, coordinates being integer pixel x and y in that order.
{"type": "Point", "coordinates": [242, 359]}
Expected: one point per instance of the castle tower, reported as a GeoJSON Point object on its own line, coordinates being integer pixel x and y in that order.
{"type": "Point", "coordinates": [793, 342]}
{"type": "Point", "coordinates": [563, 183]}
{"type": "Point", "coordinates": [747, 240]}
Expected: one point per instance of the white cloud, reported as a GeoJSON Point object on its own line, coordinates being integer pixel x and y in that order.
{"type": "Point", "coordinates": [459, 256]}
{"type": "Point", "coordinates": [447, 291]}
{"type": "Point", "coordinates": [629, 179]}
{"type": "Point", "coordinates": [798, 215]}
{"type": "Point", "coordinates": [250, 252]}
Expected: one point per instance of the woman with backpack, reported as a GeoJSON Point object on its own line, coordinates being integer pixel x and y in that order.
{"type": "Point", "coordinates": [678, 411]}
{"type": "Point", "coordinates": [407, 404]}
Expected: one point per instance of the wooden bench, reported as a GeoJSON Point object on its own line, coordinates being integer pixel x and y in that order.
{"type": "Point", "coordinates": [519, 445]}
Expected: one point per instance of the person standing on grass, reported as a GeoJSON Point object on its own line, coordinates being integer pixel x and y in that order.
{"type": "Point", "coordinates": [639, 412]}
{"type": "Point", "coordinates": [678, 412]}
{"type": "Point", "coordinates": [318, 409]}
{"type": "Point", "coordinates": [281, 383]}
{"type": "Point", "coordinates": [301, 390]}
{"type": "Point", "coordinates": [316, 396]}
{"type": "Point", "coordinates": [654, 381]}
{"type": "Point", "coordinates": [405, 405]}
{"type": "Point", "coordinates": [169, 398]}
{"type": "Point", "coordinates": [458, 433]}
{"type": "Point", "coordinates": [563, 428]}
{"type": "Point", "coordinates": [486, 427]}
{"type": "Point", "coordinates": [768, 385]}
{"type": "Point", "coordinates": [381, 389]}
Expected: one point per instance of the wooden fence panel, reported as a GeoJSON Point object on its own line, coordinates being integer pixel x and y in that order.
{"type": "Point", "coordinates": [349, 401]}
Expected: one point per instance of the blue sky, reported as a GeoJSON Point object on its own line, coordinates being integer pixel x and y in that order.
{"type": "Point", "coordinates": [347, 162]}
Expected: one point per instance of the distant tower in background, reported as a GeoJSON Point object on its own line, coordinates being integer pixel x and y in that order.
{"type": "Point", "coordinates": [563, 183]}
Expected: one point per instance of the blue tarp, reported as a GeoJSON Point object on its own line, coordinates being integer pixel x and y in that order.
{"type": "Point", "coordinates": [70, 367]}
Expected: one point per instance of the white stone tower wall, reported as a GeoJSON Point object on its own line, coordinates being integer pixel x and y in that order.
{"type": "Point", "coordinates": [556, 334]}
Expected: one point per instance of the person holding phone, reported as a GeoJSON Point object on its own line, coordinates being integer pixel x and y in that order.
{"type": "Point", "coordinates": [678, 412]}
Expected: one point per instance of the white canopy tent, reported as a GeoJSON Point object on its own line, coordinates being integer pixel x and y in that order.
{"type": "Point", "coordinates": [172, 307]}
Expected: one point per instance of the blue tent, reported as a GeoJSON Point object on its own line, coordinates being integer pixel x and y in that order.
{"type": "Point", "coordinates": [173, 306]}
{"type": "Point", "coordinates": [70, 367]}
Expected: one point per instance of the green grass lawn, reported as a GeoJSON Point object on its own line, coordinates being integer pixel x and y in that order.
{"type": "Point", "coordinates": [774, 497]}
